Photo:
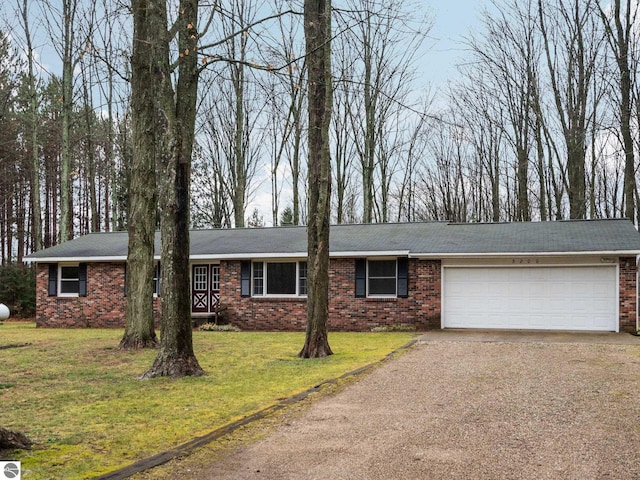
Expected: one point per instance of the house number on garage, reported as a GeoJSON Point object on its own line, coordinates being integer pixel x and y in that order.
{"type": "Point", "coordinates": [524, 261]}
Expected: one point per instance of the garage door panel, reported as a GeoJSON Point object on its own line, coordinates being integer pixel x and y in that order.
{"type": "Point", "coordinates": [563, 298]}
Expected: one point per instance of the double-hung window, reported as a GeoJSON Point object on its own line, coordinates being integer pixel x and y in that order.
{"type": "Point", "coordinates": [279, 278]}
{"type": "Point", "coordinates": [381, 278]}
{"type": "Point", "coordinates": [156, 280]}
{"type": "Point", "coordinates": [69, 281]}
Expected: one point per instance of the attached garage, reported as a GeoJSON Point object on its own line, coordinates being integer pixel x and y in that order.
{"type": "Point", "coordinates": [550, 297]}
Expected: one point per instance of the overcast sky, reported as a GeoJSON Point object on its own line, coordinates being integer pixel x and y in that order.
{"type": "Point", "coordinates": [453, 19]}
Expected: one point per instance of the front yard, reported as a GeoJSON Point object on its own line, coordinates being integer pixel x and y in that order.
{"type": "Point", "coordinates": [78, 398]}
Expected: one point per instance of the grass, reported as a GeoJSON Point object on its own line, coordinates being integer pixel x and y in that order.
{"type": "Point", "coordinates": [78, 397]}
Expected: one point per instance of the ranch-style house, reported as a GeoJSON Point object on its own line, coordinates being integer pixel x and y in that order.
{"type": "Point", "coordinates": [564, 275]}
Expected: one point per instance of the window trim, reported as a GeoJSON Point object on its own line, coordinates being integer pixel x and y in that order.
{"type": "Point", "coordinates": [60, 280]}
{"type": "Point", "coordinates": [368, 278]}
{"type": "Point", "coordinates": [157, 280]}
{"type": "Point", "coordinates": [265, 284]}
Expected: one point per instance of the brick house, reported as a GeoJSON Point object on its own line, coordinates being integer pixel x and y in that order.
{"type": "Point", "coordinates": [569, 275]}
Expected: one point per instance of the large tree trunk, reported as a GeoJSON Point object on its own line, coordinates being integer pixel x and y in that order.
{"type": "Point", "coordinates": [139, 327]}
{"type": "Point", "coordinates": [317, 29]}
{"type": "Point", "coordinates": [176, 357]}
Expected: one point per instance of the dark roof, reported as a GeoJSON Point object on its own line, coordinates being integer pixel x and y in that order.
{"type": "Point", "coordinates": [436, 239]}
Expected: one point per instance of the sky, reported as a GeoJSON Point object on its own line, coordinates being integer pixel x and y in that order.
{"type": "Point", "coordinates": [453, 20]}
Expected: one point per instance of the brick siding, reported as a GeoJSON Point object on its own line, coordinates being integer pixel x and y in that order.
{"type": "Point", "coordinates": [628, 294]}
{"type": "Point", "coordinates": [346, 312]}
{"type": "Point", "coordinates": [104, 305]}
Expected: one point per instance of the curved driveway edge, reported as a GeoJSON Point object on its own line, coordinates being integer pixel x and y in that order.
{"type": "Point", "coordinates": [466, 405]}
{"type": "Point", "coordinates": [189, 447]}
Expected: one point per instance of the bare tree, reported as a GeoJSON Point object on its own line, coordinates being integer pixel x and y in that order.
{"type": "Point", "coordinates": [383, 42]}
{"type": "Point", "coordinates": [32, 85]}
{"type": "Point", "coordinates": [317, 30]}
{"type": "Point", "coordinates": [572, 45]}
{"type": "Point", "coordinates": [286, 96]}
{"type": "Point", "coordinates": [64, 36]}
{"type": "Point", "coordinates": [618, 26]}
{"type": "Point", "coordinates": [344, 149]}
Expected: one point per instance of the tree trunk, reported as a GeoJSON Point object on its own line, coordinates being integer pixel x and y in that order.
{"type": "Point", "coordinates": [368, 161]}
{"type": "Point", "coordinates": [36, 204]}
{"type": "Point", "coordinates": [66, 198]}
{"type": "Point", "coordinates": [176, 357]}
{"type": "Point", "coordinates": [623, 39]}
{"type": "Point", "coordinates": [10, 440]}
{"type": "Point", "coordinates": [238, 146]}
{"type": "Point", "coordinates": [139, 328]}
{"type": "Point", "coordinates": [317, 29]}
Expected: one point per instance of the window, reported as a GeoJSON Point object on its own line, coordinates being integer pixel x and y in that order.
{"type": "Point", "coordinates": [215, 278]}
{"type": "Point", "coordinates": [279, 278]}
{"type": "Point", "coordinates": [381, 277]}
{"type": "Point", "coordinates": [69, 280]}
{"type": "Point", "coordinates": [200, 273]}
{"type": "Point", "coordinates": [156, 280]}
{"type": "Point", "coordinates": [258, 278]}
{"type": "Point", "coordinates": [302, 278]}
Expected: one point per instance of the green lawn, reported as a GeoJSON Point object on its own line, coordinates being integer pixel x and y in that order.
{"type": "Point", "coordinates": [78, 397]}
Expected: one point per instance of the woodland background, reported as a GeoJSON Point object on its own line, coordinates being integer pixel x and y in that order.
{"type": "Point", "coordinates": [540, 123]}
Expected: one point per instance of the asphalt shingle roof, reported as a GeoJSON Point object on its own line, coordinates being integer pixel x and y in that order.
{"type": "Point", "coordinates": [436, 239]}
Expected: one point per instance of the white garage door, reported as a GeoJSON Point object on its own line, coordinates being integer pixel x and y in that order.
{"type": "Point", "coordinates": [556, 298]}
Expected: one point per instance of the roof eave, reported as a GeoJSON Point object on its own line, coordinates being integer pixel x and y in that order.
{"type": "Point", "coordinates": [246, 256]}
{"type": "Point", "coordinates": [619, 253]}
{"type": "Point", "coordinates": [113, 258]}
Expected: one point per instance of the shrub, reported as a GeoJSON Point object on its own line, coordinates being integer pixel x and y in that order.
{"type": "Point", "coordinates": [395, 328]}
{"type": "Point", "coordinates": [18, 289]}
{"type": "Point", "coordinates": [212, 327]}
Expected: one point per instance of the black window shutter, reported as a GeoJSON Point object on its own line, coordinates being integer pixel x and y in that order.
{"type": "Point", "coordinates": [125, 279]}
{"type": "Point", "coordinates": [403, 277]}
{"type": "Point", "coordinates": [361, 277]}
{"type": "Point", "coordinates": [82, 277]}
{"type": "Point", "coordinates": [245, 279]}
{"type": "Point", "coordinates": [53, 279]}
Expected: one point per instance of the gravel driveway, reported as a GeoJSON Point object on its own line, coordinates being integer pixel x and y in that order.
{"type": "Point", "coordinates": [451, 408]}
